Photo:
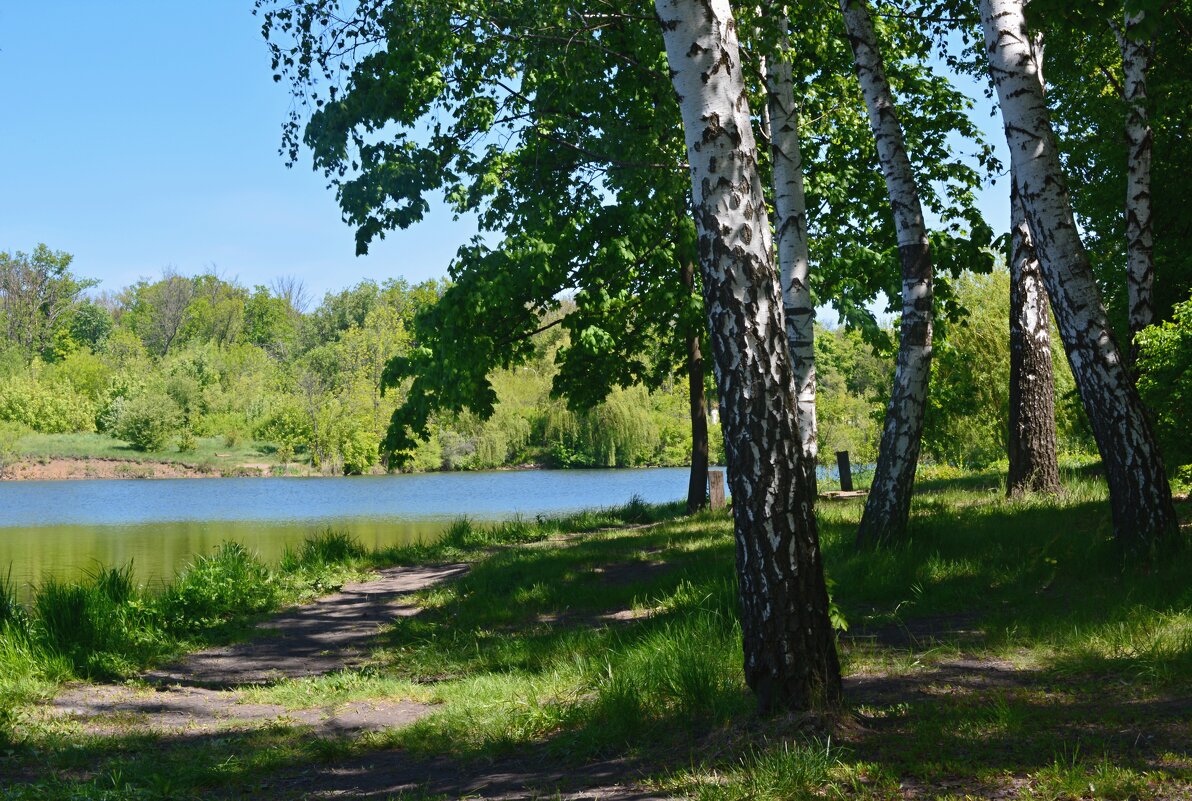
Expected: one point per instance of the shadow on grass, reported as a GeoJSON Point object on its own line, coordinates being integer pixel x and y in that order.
{"type": "Point", "coordinates": [618, 653]}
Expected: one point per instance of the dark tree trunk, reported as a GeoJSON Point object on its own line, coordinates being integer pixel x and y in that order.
{"type": "Point", "coordinates": [1031, 444]}
{"type": "Point", "coordinates": [1140, 497]}
{"type": "Point", "coordinates": [789, 645]}
{"type": "Point", "coordinates": [697, 484]}
{"type": "Point", "coordinates": [889, 503]}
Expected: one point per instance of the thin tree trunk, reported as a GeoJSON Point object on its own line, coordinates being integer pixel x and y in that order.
{"type": "Point", "coordinates": [1137, 53]}
{"type": "Point", "coordinates": [790, 649]}
{"type": "Point", "coordinates": [790, 211]}
{"type": "Point", "coordinates": [697, 483]}
{"type": "Point", "coordinates": [889, 503]}
{"type": "Point", "coordinates": [1140, 497]}
{"type": "Point", "coordinates": [1031, 445]}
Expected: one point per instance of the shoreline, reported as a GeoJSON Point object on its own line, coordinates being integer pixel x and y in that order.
{"type": "Point", "coordinates": [84, 468]}
{"type": "Point", "coordinates": [71, 468]}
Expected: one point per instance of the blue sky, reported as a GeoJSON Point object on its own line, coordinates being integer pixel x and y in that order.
{"type": "Point", "coordinates": [139, 135]}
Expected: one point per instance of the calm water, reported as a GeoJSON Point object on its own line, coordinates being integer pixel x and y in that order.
{"type": "Point", "coordinates": [64, 528]}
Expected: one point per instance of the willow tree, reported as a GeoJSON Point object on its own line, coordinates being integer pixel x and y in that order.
{"type": "Point", "coordinates": [1140, 498]}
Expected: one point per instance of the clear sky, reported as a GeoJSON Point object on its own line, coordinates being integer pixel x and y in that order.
{"type": "Point", "coordinates": [141, 134]}
{"type": "Point", "coordinates": [138, 134]}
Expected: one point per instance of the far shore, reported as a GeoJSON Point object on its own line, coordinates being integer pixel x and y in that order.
{"type": "Point", "coordinates": [77, 468]}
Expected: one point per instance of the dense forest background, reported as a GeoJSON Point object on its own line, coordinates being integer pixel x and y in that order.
{"type": "Point", "coordinates": [167, 363]}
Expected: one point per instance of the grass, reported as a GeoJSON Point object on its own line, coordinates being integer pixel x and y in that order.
{"type": "Point", "coordinates": [1002, 649]}
{"type": "Point", "coordinates": [105, 627]}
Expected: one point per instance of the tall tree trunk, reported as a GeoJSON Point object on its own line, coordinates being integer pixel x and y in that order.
{"type": "Point", "coordinates": [1031, 444]}
{"type": "Point", "coordinates": [697, 482]}
{"type": "Point", "coordinates": [790, 211]}
{"type": "Point", "coordinates": [790, 649]}
{"type": "Point", "coordinates": [1137, 53]}
{"type": "Point", "coordinates": [1031, 447]}
{"type": "Point", "coordinates": [1140, 497]}
{"type": "Point", "coordinates": [889, 503]}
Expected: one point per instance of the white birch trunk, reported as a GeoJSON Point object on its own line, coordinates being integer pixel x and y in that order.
{"type": "Point", "coordinates": [790, 211]}
{"type": "Point", "coordinates": [1137, 54]}
{"type": "Point", "coordinates": [1139, 494]}
{"type": "Point", "coordinates": [789, 646]}
{"type": "Point", "coordinates": [1033, 464]}
{"type": "Point", "coordinates": [888, 505]}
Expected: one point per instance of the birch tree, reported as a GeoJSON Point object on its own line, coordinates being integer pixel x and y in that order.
{"type": "Point", "coordinates": [1137, 52]}
{"type": "Point", "coordinates": [790, 222]}
{"type": "Point", "coordinates": [1031, 444]}
{"type": "Point", "coordinates": [790, 652]}
{"type": "Point", "coordinates": [1140, 497]}
{"type": "Point", "coordinates": [889, 501]}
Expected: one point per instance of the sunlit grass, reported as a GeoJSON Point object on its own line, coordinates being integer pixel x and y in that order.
{"type": "Point", "coordinates": [614, 634]}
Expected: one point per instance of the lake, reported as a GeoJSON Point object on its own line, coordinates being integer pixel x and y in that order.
{"type": "Point", "coordinates": [63, 529]}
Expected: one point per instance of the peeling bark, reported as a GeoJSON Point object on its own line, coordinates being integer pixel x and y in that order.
{"type": "Point", "coordinates": [790, 212]}
{"type": "Point", "coordinates": [1143, 514]}
{"type": "Point", "coordinates": [889, 503]}
{"type": "Point", "coordinates": [1031, 449]}
{"type": "Point", "coordinates": [1137, 54]}
{"type": "Point", "coordinates": [789, 646]}
{"type": "Point", "coordinates": [697, 483]}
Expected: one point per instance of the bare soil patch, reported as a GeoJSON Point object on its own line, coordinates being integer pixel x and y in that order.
{"type": "Point", "coordinates": [328, 635]}
{"type": "Point", "coordinates": [198, 693]}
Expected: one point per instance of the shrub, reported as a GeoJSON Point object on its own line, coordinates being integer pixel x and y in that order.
{"type": "Point", "coordinates": [187, 442]}
{"type": "Point", "coordinates": [50, 409]}
{"type": "Point", "coordinates": [1165, 382]}
{"type": "Point", "coordinates": [358, 449]}
{"type": "Point", "coordinates": [147, 421]}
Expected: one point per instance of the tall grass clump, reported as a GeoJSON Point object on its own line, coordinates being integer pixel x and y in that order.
{"type": "Point", "coordinates": [99, 626]}
{"type": "Point", "coordinates": [11, 612]}
{"type": "Point", "coordinates": [215, 589]}
{"type": "Point", "coordinates": [328, 547]}
{"type": "Point", "coordinates": [799, 770]}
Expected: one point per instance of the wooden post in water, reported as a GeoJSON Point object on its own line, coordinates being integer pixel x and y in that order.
{"type": "Point", "coordinates": [716, 489]}
{"type": "Point", "coordinates": [845, 470]}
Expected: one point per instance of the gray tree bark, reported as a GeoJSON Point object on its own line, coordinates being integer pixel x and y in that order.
{"type": "Point", "coordinates": [1031, 450]}
{"type": "Point", "coordinates": [889, 503]}
{"type": "Point", "coordinates": [697, 481]}
{"type": "Point", "coordinates": [1143, 514]}
{"type": "Point", "coordinates": [789, 647]}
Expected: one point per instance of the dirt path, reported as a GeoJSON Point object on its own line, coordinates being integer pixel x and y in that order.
{"type": "Point", "coordinates": [200, 693]}
{"type": "Point", "coordinates": [201, 697]}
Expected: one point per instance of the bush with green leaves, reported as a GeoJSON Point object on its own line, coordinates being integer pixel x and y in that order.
{"type": "Point", "coordinates": [148, 421]}
{"type": "Point", "coordinates": [1165, 383]}
{"type": "Point", "coordinates": [47, 408]}
{"type": "Point", "coordinates": [357, 448]}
